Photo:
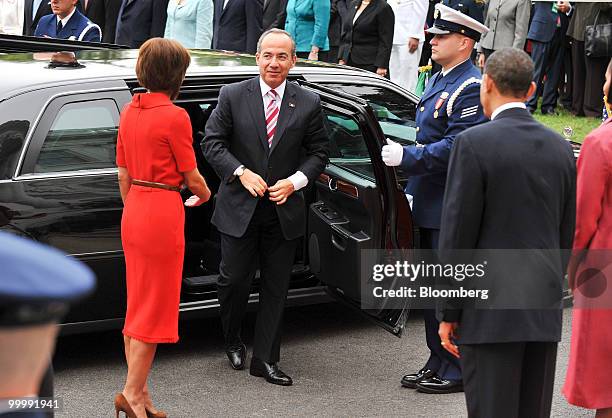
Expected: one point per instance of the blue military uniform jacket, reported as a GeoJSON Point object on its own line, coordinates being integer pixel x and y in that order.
{"type": "Point", "coordinates": [77, 28]}
{"type": "Point", "coordinates": [449, 105]}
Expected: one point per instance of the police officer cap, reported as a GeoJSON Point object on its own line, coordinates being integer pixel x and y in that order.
{"type": "Point", "coordinates": [449, 20]}
{"type": "Point", "coordinates": [37, 282]}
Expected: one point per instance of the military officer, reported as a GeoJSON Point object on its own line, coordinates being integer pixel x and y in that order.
{"type": "Point", "coordinates": [450, 104]}
{"type": "Point", "coordinates": [37, 283]}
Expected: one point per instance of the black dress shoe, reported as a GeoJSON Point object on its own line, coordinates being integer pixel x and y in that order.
{"type": "Point", "coordinates": [411, 380]}
{"type": "Point", "coordinates": [550, 111]}
{"type": "Point", "coordinates": [270, 372]}
{"type": "Point", "coordinates": [436, 384]}
{"type": "Point", "coordinates": [237, 356]}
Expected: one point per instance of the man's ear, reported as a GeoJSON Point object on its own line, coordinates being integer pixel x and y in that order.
{"type": "Point", "coordinates": [532, 89]}
{"type": "Point", "coordinates": [487, 83]}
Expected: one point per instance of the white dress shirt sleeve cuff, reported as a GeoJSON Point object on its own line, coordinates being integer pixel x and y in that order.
{"type": "Point", "coordinates": [238, 169]}
{"type": "Point", "coordinates": [299, 180]}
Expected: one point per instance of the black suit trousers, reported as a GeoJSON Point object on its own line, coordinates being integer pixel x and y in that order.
{"type": "Point", "coordinates": [263, 245]}
{"type": "Point", "coordinates": [509, 380]}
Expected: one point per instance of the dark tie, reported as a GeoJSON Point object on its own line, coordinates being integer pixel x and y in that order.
{"type": "Point", "coordinates": [438, 78]}
{"type": "Point", "coordinates": [59, 27]}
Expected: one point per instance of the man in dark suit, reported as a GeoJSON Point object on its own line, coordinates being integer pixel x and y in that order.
{"type": "Point", "coordinates": [274, 14]}
{"type": "Point", "coordinates": [67, 22]}
{"type": "Point", "coordinates": [140, 20]}
{"type": "Point", "coordinates": [104, 13]}
{"type": "Point", "coordinates": [547, 35]}
{"type": "Point", "coordinates": [339, 12]}
{"type": "Point", "coordinates": [511, 185]}
{"type": "Point", "coordinates": [237, 25]}
{"type": "Point", "coordinates": [266, 141]}
{"type": "Point", "coordinates": [449, 105]}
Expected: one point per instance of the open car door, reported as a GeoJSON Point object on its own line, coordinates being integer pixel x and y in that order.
{"type": "Point", "coordinates": [358, 205]}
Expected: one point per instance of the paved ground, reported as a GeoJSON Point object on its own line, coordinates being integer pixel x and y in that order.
{"type": "Point", "coordinates": [342, 366]}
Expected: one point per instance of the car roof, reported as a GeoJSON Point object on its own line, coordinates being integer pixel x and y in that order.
{"type": "Point", "coordinates": [30, 71]}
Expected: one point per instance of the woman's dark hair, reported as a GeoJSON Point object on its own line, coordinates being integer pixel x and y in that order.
{"type": "Point", "coordinates": [512, 71]}
{"type": "Point", "coordinates": [161, 65]}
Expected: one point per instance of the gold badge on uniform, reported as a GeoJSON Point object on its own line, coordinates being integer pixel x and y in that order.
{"type": "Point", "coordinates": [439, 103]}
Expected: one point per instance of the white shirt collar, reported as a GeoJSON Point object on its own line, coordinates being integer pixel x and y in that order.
{"type": "Point", "coordinates": [506, 106]}
{"type": "Point", "coordinates": [66, 19]}
{"type": "Point", "coordinates": [444, 72]}
{"type": "Point", "coordinates": [280, 90]}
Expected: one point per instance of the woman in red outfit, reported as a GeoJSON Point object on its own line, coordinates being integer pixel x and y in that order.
{"type": "Point", "coordinates": [589, 379]}
{"type": "Point", "coordinates": [155, 158]}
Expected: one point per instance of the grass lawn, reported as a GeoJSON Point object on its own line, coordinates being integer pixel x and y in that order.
{"type": "Point", "coordinates": [580, 125]}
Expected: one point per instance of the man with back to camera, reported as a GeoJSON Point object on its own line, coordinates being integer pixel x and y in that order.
{"type": "Point", "coordinates": [511, 185]}
{"type": "Point", "coordinates": [266, 141]}
{"type": "Point", "coordinates": [450, 104]}
{"type": "Point", "coordinates": [67, 22]}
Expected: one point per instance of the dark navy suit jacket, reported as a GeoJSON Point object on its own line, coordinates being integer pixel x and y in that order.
{"type": "Point", "coordinates": [77, 28]}
{"type": "Point", "coordinates": [238, 26]}
{"type": "Point", "coordinates": [140, 20]}
{"type": "Point", "coordinates": [543, 22]}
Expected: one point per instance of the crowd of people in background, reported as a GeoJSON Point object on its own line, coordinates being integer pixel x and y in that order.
{"type": "Point", "coordinates": [383, 36]}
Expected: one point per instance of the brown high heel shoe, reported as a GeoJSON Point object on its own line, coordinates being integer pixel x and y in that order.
{"type": "Point", "coordinates": [122, 405]}
{"type": "Point", "coordinates": [158, 414]}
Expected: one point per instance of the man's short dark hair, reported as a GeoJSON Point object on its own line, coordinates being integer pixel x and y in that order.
{"type": "Point", "coordinates": [511, 70]}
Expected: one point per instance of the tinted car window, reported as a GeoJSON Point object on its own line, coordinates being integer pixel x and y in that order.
{"type": "Point", "coordinates": [82, 137]}
{"type": "Point", "coordinates": [12, 137]}
{"type": "Point", "coordinates": [395, 113]}
{"type": "Point", "coordinates": [347, 147]}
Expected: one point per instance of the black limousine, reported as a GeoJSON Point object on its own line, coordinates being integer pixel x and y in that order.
{"type": "Point", "coordinates": [58, 179]}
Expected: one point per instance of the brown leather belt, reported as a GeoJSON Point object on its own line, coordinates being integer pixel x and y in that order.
{"type": "Point", "coordinates": [156, 185]}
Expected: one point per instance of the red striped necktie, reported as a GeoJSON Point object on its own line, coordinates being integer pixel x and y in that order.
{"type": "Point", "coordinates": [272, 111]}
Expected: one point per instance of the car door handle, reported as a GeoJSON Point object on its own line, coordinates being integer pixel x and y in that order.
{"type": "Point", "coordinates": [339, 185]}
{"type": "Point", "coordinates": [339, 236]}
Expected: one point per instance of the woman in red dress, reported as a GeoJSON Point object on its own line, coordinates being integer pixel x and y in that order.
{"type": "Point", "coordinates": [589, 375]}
{"type": "Point", "coordinates": [155, 158]}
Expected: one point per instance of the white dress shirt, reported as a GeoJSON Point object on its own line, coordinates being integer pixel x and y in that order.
{"type": "Point", "coordinates": [444, 72]}
{"type": "Point", "coordinates": [66, 19]}
{"type": "Point", "coordinates": [298, 179]}
{"type": "Point", "coordinates": [506, 106]}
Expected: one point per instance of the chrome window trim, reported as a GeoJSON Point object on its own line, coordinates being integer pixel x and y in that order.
{"type": "Point", "coordinates": [42, 111]}
{"type": "Point", "coordinates": [64, 174]}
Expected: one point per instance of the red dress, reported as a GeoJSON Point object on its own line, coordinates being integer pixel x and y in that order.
{"type": "Point", "coordinates": [589, 375]}
{"type": "Point", "coordinates": [154, 144]}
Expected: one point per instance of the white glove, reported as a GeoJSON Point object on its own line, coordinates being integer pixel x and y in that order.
{"type": "Point", "coordinates": [392, 153]}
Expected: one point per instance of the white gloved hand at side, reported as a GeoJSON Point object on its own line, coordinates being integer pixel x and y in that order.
{"type": "Point", "coordinates": [392, 153]}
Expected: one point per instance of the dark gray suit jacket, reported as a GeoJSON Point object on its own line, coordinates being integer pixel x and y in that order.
{"type": "Point", "coordinates": [235, 135]}
{"type": "Point", "coordinates": [140, 20]}
{"type": "Point", "coordinates": [104, 13]}
{"type": "Point", "coordinates": [511, 185]}
{"type": "Point", "coordinates": [274, 14]}
{"type": "Point", "coordinates": [238, 26]}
